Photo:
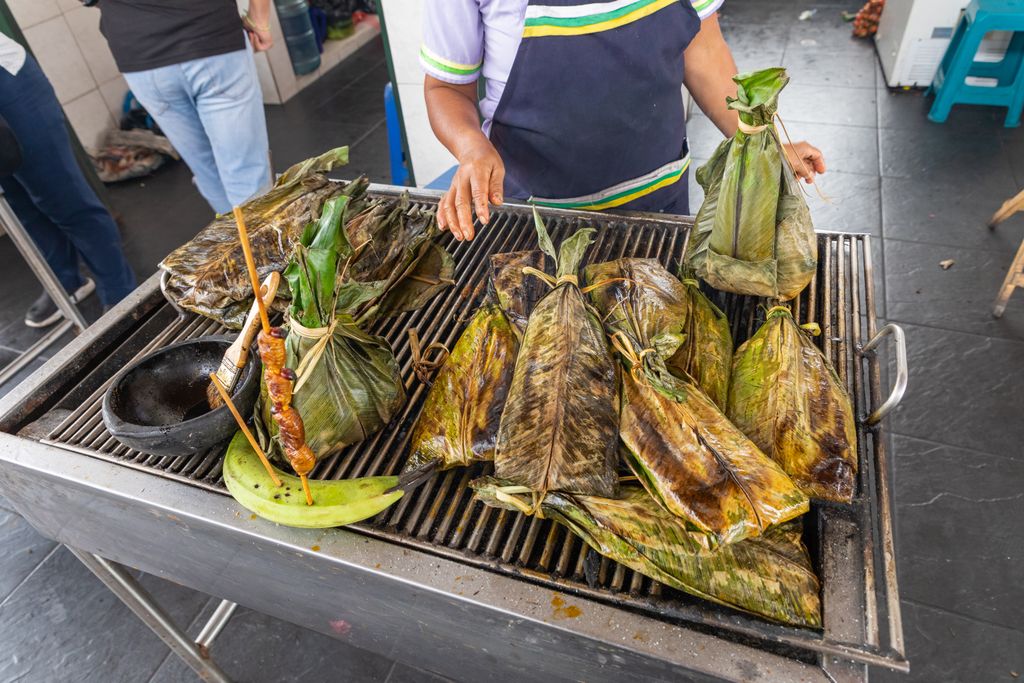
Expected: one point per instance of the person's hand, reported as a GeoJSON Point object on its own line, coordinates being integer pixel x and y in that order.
{"type": "Point", "coordinates": [258, 29]}
{"type": "Point", "coordinates": [477, 181]}
{"type": "Point", "coordinates": [806, 160]}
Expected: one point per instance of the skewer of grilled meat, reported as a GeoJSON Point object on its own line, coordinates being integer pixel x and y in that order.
{"type": "Point", "coordinates": [280, 382]}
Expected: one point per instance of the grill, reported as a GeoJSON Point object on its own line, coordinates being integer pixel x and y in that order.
{"type": "Point", "coordinates": [851, 545]}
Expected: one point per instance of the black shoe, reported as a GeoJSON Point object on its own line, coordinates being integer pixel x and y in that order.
{"type": "Point", "coordinates": [44, 312]}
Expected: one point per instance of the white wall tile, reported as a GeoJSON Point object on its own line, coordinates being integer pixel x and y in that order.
{"type": "Point", "coordinates": [404, 22]}
{"type": "Point", "coordinates": [31, 12]}
{"type": "Point", "coordinates": [89, 117]}
{"type": "Point", "coordinates": [62, 61]}
{"type": "Point", "coordinates": [113, 92]}
{"type": "Point", "coordinates": [266, 76]}
{"type": "Point", "coordinates": [85, 26]}
{"type": "Point", "coordinates": [429, 157]}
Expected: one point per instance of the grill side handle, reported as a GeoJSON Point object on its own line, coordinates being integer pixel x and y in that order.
{"type": "Point", "coordinates": [902, 371]}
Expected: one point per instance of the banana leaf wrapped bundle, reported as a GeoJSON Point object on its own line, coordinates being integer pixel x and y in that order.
{"type": "Point", "coordinates": [459, 421]}
{"type": "Point", "coordinates": [705, 354]}
{"type": "Point", "coordinates": [753, 233]}
{"type": "Point", "coordinates": [769, 576]}
{"type": "Point", "coordinates": [788, 399]}
{"type": "Point", "coordinates": [207, 275]}
{"type": "Point", "coordinates": [348, 382]}
{"type": "Point", "coordinates": [558, 431]}
{"type": "Point", "coordinates": [677, 442]}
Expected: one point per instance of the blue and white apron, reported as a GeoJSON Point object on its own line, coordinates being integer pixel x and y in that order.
{"type": "Point", "coordinates": [592, 114]}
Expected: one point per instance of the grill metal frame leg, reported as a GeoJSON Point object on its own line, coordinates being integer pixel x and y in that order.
{"type": "Point", "coordinates": [138, 600]}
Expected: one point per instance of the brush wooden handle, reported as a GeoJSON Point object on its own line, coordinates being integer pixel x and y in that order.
{"type": "Point", "coordinates": [238, 352]}
{"type": "Point", "coordinates": [250, 264]}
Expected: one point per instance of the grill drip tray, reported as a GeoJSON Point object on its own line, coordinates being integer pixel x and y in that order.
{"type": "Point", "coordinates": [441, 516]}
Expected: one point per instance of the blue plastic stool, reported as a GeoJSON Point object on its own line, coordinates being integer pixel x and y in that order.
{"type": "Point", "coordinates": [958, 63]}
{"type": "Point", "coordinates": [399, 171]}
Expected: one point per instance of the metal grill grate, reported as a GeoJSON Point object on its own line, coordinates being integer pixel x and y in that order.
{"type": "Point", "coordinates": [441, 516]}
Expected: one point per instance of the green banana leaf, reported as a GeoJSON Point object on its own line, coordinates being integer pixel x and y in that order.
{"type": "Point", "coordinates": [207, 275]}
{"type": "Point", "coordinates": [458, 424]}
{"type": "Point", "coordinates": [680, 446]}
{"type": "Point", "coordinates": [788, 399]}
{"type": "Point", "coordinates": [769, 576]}
{"type": "Point", "coordinates": [753, 234]}
{"type": "Point", "coordinates": [558, 430]}
{"type": "Point", "coordinates": [705, 356]}
{"type": "Point", "coordinates": [347, 270]}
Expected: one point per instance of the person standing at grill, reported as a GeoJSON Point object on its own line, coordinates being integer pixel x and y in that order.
{"type": "Point", "coordinates": [50, 195]}
{"type": "Point", "coordinates": [582, 106]}
{"type": "Point", "coordinates": [190, 64]}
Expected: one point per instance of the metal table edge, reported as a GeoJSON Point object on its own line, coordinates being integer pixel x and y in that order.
{"type": "Point", "coordinates": [506, 596]}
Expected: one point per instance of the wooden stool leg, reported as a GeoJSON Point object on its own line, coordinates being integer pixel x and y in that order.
{"type": "Point", "coordinates": [1009, 207]}
{"type": "Point", "coordinates": [1014, 279]}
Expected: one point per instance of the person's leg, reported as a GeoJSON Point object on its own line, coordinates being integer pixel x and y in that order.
{"type": "Point", "coordinates": [165, 94]}
{"type": "Point", "coordinates": [53, 244]}
{"type": "Point", "coordinates": [55, 184]}
{"type": "Point", "coordinates": [230, 104]}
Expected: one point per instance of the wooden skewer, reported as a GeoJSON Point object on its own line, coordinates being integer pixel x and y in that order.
{"type": "Point", "coordinates": [305, 488]}
{"type": "Point", "coordinates": [250, 264]}
{"type": "Point", "coordinates": [245, 430]}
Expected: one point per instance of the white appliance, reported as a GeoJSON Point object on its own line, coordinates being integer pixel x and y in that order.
{"type": "Point", "coordinates": [913, 36]}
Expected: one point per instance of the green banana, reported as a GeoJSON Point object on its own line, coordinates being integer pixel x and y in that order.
{"type": "Point", "coordinates": [335, 503]}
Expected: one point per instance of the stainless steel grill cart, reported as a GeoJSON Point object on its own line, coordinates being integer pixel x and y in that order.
{"type": "Point", "coordinates": [441, 581]}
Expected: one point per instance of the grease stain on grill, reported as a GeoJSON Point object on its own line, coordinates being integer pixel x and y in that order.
{"type": "Point", "coordinates": [563, 611]}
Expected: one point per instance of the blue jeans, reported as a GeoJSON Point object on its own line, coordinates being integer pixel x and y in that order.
{"type": "Point", "coordinates": [50, 195]}
{"type": "Point", "coordinates": [211, 109]}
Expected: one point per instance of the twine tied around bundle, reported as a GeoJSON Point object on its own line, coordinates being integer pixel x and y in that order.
{"type": "Point", "coordinates": [321, 335]}
{"type": "Point", "coordinates": [423, 366]}
{"type": "Point", "coordinates": [622, 343]}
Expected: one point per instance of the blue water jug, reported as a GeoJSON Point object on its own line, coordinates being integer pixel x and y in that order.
{"type": "Point", "coordinates": [298, 35]}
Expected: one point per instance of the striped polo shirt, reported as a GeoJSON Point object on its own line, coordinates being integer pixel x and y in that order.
{"type": "Point", "coordinates": [463, 39]}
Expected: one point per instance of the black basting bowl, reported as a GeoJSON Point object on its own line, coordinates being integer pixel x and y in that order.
{"type": "Point", "coordinates": [159, 405]}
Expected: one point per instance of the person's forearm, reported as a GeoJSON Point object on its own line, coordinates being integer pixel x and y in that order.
{"type": "Point", "coordinates": [453, 115]}
{"type": "Point", "coordinates": [259, 9]}
{"type": "Point", "coordinates": [709, 71]}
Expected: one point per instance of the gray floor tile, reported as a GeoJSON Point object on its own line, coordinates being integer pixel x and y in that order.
{"type": "Point", "coordinates": [407, 674]}
{"type": "Point", "coordinates": [365, 157]}
{"type": "Point", "coordinates": [259, 649]}
{"type": "Point", "coordinates": [960, 391]}
{"type": "Point", "coordinates": [959, 522]}
{"type": "Point", "coordinates": [1013, 143]}
{"type": "Point", "coordinates": [920, 291]}
{"type": "Point", "coordinates": [933, 154]}
{"type": "Point", "coordinates": [904, 109]}
{"type": "Point", "coordinates": [62, 624]}
{"type": "Point", "coordinates": [939, 213]}
{"type": "Point", "coordinates": [947, 648]}
{"type": "Point", "coordinates": [818, 65]}
{"type": "Point", "coordinates": [828, 104]}
{"type": "Point", "coordinates": [23, 550]}
{"type": "Point", "coordinates": [852, 203]}
{"type": "Point", "coordinates": [847, 149]}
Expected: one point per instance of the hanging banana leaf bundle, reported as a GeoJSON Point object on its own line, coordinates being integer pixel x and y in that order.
{"type": "Point", "coordinates": [558, 431]}
{"type": "Point", "coordinates": [788, 399]}
{"type": "Point", "coordinates": [207, 275]}
{"type": "Point", "coordinates": [769, 576]}
{"type": "Point", "coordinates": [753, 233]}
{"type": "Point", "coordinates": [458, 424]}
{"type": "Point", "coordinates": [705, 354]}
{"type": "Point", "coordinates": [680, 446]}
{"type": "Point", "coordinates": [348, 382]}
